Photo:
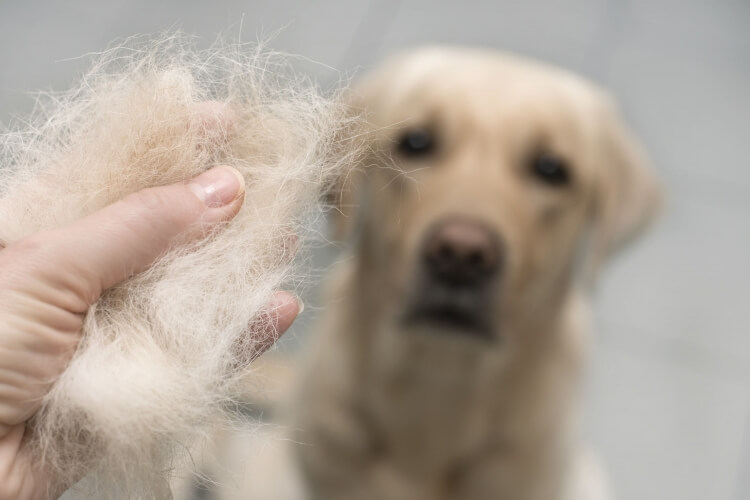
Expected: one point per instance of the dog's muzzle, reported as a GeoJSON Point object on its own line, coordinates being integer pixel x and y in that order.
{"type": "Point", "coordinates": [461, 263]}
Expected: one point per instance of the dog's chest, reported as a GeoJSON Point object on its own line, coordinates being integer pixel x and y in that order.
{"type": "Point", "coordinates": [432, 401]}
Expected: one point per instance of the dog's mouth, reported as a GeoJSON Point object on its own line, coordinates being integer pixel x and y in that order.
{"type": "Point", "coordinates": [459, 271]}
{"type": "Point", "coordinates": [451, 312]}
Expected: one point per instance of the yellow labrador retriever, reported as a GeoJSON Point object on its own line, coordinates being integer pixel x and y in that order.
{"type": "Point", "coordinates": [451, 353]}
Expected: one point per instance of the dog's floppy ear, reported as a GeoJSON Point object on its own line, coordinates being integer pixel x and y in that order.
{"type": "Point", "coordinates": [627, 193]}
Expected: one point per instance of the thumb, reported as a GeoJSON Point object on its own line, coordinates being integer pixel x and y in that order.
{"type": "Point", "coordinates": [107, 247]}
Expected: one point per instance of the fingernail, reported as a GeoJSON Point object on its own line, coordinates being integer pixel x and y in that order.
{"type": "Point", "coordinates": [300, 305]}
{"type": "Point", "coordinates": [218, 187]}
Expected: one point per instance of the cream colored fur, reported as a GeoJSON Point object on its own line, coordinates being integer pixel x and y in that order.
{"type": "Point", "coordinates": [390, 411]}
{"type": "Point", "coordinates": [162, 353]}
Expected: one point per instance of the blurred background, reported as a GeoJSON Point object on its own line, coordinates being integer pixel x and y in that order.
{"type": "Point", "coordinates": [668, 394]}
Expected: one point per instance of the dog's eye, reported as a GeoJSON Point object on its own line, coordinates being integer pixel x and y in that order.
{"type": "Point", "coordinates": [416, 142]}
{"type": "Point", "coordinates": [550, 169]}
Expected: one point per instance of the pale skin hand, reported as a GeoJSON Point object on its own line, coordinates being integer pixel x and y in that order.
{"type": "Point", "coordinates": [49, 279]}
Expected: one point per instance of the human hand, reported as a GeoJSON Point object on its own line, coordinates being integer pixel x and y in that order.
{"type": "Point", "coordinates": [49, 279]}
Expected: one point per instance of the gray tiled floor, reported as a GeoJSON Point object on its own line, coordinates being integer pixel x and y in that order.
{"type": "Point", "coordinates": [667, 399]}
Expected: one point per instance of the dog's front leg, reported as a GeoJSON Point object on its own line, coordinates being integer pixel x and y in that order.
{"type": "Point", "coordinates": [341, 459]}
{"type": "Point", "coordinates": [517, 472]}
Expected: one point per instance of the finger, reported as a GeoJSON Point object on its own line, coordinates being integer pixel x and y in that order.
{"type": "Point", "coordinates": [124, 238]}
{"type": "Point", "coordinates": [17, 476]}
{"type": "Point", "coordinates": [283, 309]}
{"type": "Point", "coordinates": [286, 307]}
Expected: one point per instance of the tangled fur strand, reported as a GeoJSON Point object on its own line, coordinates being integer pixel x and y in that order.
{"type": "Point", "coordinates": [163, 352]}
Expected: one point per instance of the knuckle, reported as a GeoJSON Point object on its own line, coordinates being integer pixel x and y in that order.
{"type": "Point", "coordinates": [24, 256]}
{"type": "Point", "coordinates": [31, 244]}
{"type": "Point", "coordinates": [161, 216]}
{"type": "Point", "coordinates": [150, 200]}
{"type": "Point", "coordinates": [169, 199]}
{"type": "Point", "coordinates": [172, 205]}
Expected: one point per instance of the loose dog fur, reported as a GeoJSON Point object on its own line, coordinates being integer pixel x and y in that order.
{"type": "Point", "coordinates": [162, 353]}
{"type": "Point", "coordinates": [423, 388]}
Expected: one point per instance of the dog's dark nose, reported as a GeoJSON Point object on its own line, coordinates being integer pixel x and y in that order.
{"type": "Point", "coordinates": [462, 252]}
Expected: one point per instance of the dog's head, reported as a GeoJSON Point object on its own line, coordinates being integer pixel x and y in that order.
{"type": "Point", "coordinates": [493, 186]}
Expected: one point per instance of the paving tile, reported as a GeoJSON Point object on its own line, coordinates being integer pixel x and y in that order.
{"type": "Point", "coordinates": [664, 430]}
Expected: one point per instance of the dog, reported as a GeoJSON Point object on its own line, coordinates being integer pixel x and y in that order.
{"type": "Point", "coordinates": [450, 355]}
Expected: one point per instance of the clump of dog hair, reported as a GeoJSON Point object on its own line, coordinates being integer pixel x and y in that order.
{"type": "Point", "coordinates": [162, 353]}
